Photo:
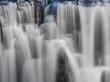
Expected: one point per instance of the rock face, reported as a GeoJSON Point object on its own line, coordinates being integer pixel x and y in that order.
{"type": "Point", "coordinates": [62, 75]}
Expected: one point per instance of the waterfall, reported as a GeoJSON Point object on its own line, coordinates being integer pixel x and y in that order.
{"type": "Point", "coordinates": [32, 71]}
{"type": "Point", "coordinates": [49, 30]}
{"type": "Point", "coordinates": [91, 74]}
{"type": "Point", "coordinates": [71, 46]}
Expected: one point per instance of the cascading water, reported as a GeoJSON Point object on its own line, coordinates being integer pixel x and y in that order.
{"type": "Point", "coordinates": [87, 34]}
{"type": "Point", "coordinates": [72, 46]}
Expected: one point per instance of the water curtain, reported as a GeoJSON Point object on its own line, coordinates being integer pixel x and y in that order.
{"type": "Point", "coordinates": [58, 42]}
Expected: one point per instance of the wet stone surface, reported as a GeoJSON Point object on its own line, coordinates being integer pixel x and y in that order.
{"type": "Point", "coordinates": [62, 73]}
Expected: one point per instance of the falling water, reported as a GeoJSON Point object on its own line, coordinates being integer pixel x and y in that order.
{"type": "Point", "coordinates": [72, 46]}
{"type": "Point", "coordinates": [91, 75]}
{"type": "Point", "coordinates": [49, 30]}
{"type": "Point", "coordinates": [87, 32]}
{"type": "Point", "coordinates": [107, 35]}
{"type": "Point", "coordinates": [32, 71]}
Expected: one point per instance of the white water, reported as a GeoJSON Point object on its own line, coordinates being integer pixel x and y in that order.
{"type": "Point", "coordinates": [80, 38]}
